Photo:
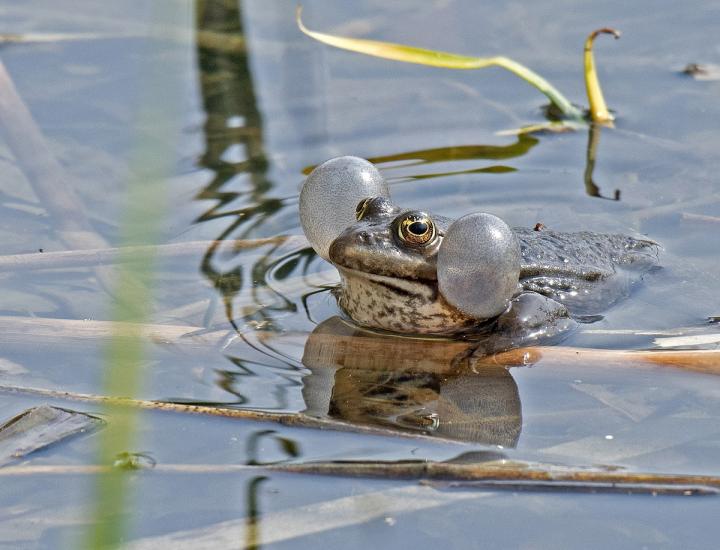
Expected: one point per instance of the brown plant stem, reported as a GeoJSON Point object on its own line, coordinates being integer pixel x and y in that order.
{"type": "Point", "coordinates": [508, 474]}
{"type": "Point", "coordinates": [705, 361]}
{"type": "Point", "coordinates": [295, 420]}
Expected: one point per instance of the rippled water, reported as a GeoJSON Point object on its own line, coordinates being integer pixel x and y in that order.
{"type": "Point", "coordinates": [256, 114]}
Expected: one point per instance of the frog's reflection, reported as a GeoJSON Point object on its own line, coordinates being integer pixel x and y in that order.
{"type": "Point", "coordinates": [411, 384]}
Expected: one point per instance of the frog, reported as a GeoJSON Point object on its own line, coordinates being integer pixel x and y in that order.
{"type": "Point", "coordinates": [409, 271]}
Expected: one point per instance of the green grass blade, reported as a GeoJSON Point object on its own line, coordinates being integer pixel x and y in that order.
{"type": "Point", "coordinates": [446, 60]}
{"type": "Point", "coordinates": [141, 224]}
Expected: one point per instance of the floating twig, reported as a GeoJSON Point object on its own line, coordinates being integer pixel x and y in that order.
{"type": "Point", "coordinates": [107, 256]}
{"type": "Point", "coordinates": [68, 332]}
{"type": "Point", "coordinates": [295, 420]}
{"type": "Point", "coordinates": [705, 361]}
{"type": "Point", "coordinates": [212, 40]}
{"type": "Point", "coordinates": [54, 37]}
{"type": "Point", "coordinates": [690, 217]}
{"type": "Point", "coordinates": [496, 474]}
{"type": "Point", "coordinates": [689, 340]}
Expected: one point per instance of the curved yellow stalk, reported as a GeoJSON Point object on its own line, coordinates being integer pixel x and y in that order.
{"type": "Point", "coordinates": [598, 109]}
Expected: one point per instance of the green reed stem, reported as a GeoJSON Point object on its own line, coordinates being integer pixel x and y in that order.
{"type": "Point", "coordinates": [553, 94]}
{"type": "Point", "coordinates": [141, 225]}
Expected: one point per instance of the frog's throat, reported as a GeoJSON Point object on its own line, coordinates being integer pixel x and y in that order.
{"type": "Point", "coordinates": [398, 305]}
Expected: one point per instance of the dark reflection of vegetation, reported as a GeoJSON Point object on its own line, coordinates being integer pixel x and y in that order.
{"type": "Point", "coordinates": [463, 152]}
{"type": "Point", "coordinates": [591, 187]}
{"type": "Point", "coordinates": [228, 94]}
{"type": "Point", "coordinates": [288, 446]}
{"type": "Point", "coordinates": [497, 169]}
{"type": "Point", "coordinates": [420, 157]}
{"type": "Point", "coordinates": [234, 122]}
{"type": "Point", "coordinates": [291, 449]}
{"type": "Point", "coordinates": [252, 534]}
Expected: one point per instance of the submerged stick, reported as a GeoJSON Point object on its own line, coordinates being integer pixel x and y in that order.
{"type": "Point", "coordinates": [294, 420]}
{"type": "Point", "coordinates": [515, 474]}
{"type": "Point", "coordinates": [107, 256]}
{"type": "Point", "coordinates": [690, 217]}
{"type": "Point", "coordinates": [699, 360]}
{"type": "Point", "coordinates": [43, 171]}
{"type": "Point", "coordinates": [47, 177]}
{"type": "Point", "coordinates": [212, 40]}
{"type": "Point", "coordinates": [36, 331]}
{"type": "Point", "coordinates": [501, 474]}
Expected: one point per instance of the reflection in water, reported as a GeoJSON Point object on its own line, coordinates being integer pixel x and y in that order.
{"type": "Point", "coordinates": [460, 404]}
{"type": "Point", "coordinates": [462, 152]}
{"type": "Point", "coordinates": [290, 450]}
{"type": "Point", "coordinates": [422, 385]}
{"type": "Point", "coordinates": [591, 187]}
{"type": "Point", "coordinates": [456, 153]}
{"type": "Point", "coordinates": [233, 120]}
{"type": "Point", "coordinates": [252, 527]}
{"type": "Point", "coordinates": [289, 447]}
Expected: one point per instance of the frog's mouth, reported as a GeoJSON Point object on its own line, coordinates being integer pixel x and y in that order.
{"type": "Point", "coordinates": [423, 289]}
{"type": "Point", "coordinates": [396, 304]}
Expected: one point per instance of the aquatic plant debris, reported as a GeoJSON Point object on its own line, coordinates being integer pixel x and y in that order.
{"type": "Point", "coordinates": [39, 427]}
{"type": "Point", "coordinates": [702, 71]}
{"type": "Point", "coordinates": [447, 60]}
{"type": "Point", "coordinates": [598, 111]}
{"type": "Point", "coordinates": [493, 474]}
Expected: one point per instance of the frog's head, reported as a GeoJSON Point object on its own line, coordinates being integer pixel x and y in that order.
{"type": "Point", "coordinates": [388, 241]}
{"type": "Point", "coordinates": [406, 270]}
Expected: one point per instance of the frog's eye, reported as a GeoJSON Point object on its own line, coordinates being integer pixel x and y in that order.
{"type": "Point", "coordinates": [416, 229]}
{"type": "Point", "coordinates": [362, 208]}
{"type": "Point", "coordinates": [330, 195]}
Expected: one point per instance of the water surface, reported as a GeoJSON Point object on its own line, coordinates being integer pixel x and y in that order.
{"type": "Point", "coordinates": [254, 115]}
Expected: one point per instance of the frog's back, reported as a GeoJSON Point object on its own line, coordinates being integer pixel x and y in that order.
{"type": "Point", "coordinates": [586, 271]}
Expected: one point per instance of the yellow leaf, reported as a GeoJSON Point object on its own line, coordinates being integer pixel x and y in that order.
{"type": "Point", "coordinates": [422, 56]}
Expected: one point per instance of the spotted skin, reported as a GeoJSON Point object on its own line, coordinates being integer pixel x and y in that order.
{"type": "Point", "coordinates": [398, 305]}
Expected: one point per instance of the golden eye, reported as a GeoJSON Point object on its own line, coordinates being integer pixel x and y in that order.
{"type": "Point", "coordinates": [416, 229]}
{"type": "Point", "coordinates": [361, 208]}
